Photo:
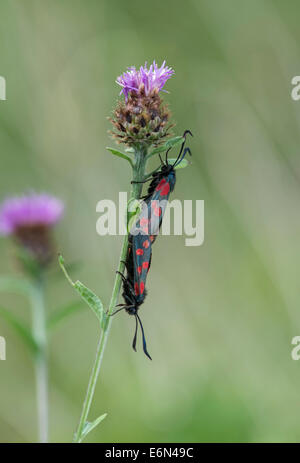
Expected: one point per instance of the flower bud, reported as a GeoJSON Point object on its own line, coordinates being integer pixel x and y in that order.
{"type": "Point", "coordinates": [142, 117]}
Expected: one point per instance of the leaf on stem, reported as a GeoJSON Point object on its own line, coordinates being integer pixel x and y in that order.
{"type": "Point", "coordinates": [20, 328]}
{"type": "Point", "coordinates": [89, 426]}
{"type": "Point", "coordinates": [92, 300]}
{"type": "Point", "coordinates": [174, 141]}
{"type": "Point", "coordinates": [56, 273]}
{"type": "Point", "coordinates": [184, 163]}
{"type": "Point", "coordinates": [169, 144]}
{"type": "Point", "coordinates": [120, 154]}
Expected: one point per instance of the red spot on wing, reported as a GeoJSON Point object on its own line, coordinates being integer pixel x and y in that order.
{"type": "Point", "coordinates": [145, 230]}
{"type": "Point", "coordinates": [139, 252]}
{"type": "Point", "coordinates": [161, 184]}
{"type": "Point", "coordinates": [165, 189]}
{"type": "Point", "coordinates": [157, 211]}
{"type": "Point", "coordinates": [144, 222]}
{"type": "Point", "coordinates": [146, 244]}
{"type": "Point", "coordinates": [139, 269]}
{"type": "Point", "coordinates": [145, 265]}
{"type": "Point", "coordinates": [136, 288]}
{"type": "Point", "coordinates": [142, 287]}
{"type": "Point", "coordinates": [154, 204]}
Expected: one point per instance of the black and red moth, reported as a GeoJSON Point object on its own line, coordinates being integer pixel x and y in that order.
{"type": "Point", "coordinates": [134, 291]}
{"type": "Point", "coordinates": [140, 243]}
{"type": "Point", "coordinates": [162, 184]}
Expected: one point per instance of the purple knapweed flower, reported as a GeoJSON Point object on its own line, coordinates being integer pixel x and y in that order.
{"type": "Point", "coordinates": [142, 117]}
{"type": "Point", "coordinates": [31, 210]}
{"type": "Point", "coordinates": [28, 219]}
{"type": "Point", "coordinates": [150, 79]}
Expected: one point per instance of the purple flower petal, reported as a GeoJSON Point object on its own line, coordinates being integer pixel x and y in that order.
{"type": "Point", "coordinates": [33, 209]}
{"type": "Point", "coordinates": [153, 78]}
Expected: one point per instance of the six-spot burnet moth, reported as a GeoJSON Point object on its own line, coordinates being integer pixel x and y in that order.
{"type": "Point", "coordinates": [140, 243]}
{"type": "Point", "coordinates": [137, 267]}
{"type": "Point", "coordinates": [162, 184]}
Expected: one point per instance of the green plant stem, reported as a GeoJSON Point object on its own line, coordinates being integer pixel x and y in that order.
{"type": "Point", "coordinates": [39, 333]}
{"type": "Point", "coordinates": [138, 168]}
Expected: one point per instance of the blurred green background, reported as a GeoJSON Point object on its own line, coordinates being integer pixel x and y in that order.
{"type": "Point", "coordinates": [219, 318]}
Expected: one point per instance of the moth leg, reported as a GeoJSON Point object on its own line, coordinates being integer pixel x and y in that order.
{"type": "Point", "coordinates": [118, 310]}
{"type": "Point", "coordinates": [144, 181]}
{"type": "Point", "coordinates": [122, 276]}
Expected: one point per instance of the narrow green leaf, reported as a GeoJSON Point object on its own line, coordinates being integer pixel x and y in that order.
{"type": "Point", "coordinates": [62, 313]}
{"type": "Point", "coordinates": [174, 141]}
{"type": "Point", "coordinates": [157, 150]}
{"type": "Point", "coordinates": [56, 273]}
{"type": "Point", "coordinates": [169, 144]}
{"type": "Point", "coordinates": [15, 285]}
{"type": "Point", "coordinates": [184, 163]}
{"type": "Point", "coordinates": [20, 328]}
{"type": "Point", "coordinates": [89, 426]}
{"type": "Point", "coordinates": [119, 154]}
{"type": "Point", "coordinates": [92, 300]}
{"type": "Point", "coordinates": [61, 262]}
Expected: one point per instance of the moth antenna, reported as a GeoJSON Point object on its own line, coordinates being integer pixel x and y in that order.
{"type": "Point", "coordinates": [182, 147]}
{"type": "Point", "coordinates": [167, 152]}
{"type": "Point", "coordinates": [162, 162]}
{"type": "Point", "coordinates": [135, 335]}
{"type": "Point", "coordinates": [180, 152]}
{"type": "Point", "coordinates": [186, 150]}
{"type": "Point", "coordinates": [144, 339]}
{"type": "Point", "coordinates": [186, 132]}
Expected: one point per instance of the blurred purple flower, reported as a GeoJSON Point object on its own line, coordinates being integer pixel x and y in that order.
{"type": "Point", "coordinates": [27, 211]}
{"type": "Point", "coordinates": [150, 79]}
